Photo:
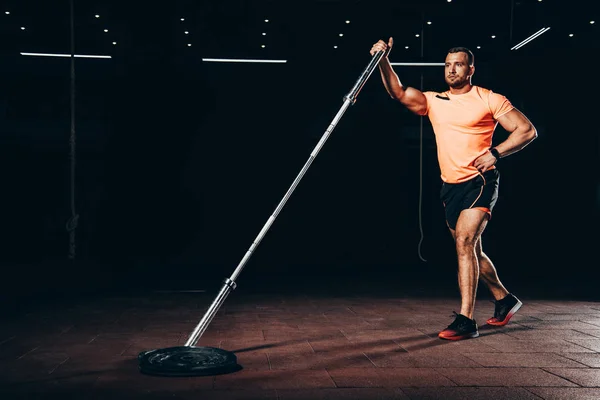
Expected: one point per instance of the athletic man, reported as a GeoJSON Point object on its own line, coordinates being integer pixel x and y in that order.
{"type": "Point", "coordinates": [464, 119]}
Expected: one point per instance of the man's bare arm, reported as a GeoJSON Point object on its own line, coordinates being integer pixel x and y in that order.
{"type": "Point", "coordinates": [521, 132]}
{"type": "Point", "coordinates": [410, 97]}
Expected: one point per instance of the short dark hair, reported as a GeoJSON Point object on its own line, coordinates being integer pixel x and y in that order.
{"type": "Point", "coordinates": [470, 56]}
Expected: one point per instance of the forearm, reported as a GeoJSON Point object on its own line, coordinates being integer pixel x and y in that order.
{"type": "Point", "coordinates": [517, 140]}
{"type": "Point", "coordinates": [390, 79]}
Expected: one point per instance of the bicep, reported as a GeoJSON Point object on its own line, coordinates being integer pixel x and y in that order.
{"type": "Point", "coordinates": [513, 120]}
{"type": "Point", "coordinates": [414, 100]}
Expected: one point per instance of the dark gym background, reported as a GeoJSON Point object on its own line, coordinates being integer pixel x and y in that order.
{"type": "Point", "coordinates": [180, 162]}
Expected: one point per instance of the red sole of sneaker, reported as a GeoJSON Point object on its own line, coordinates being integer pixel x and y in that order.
{"type": "Point", "coordinates": [508, 316]}
{"type": "Point", "coordinates": [470, 336]}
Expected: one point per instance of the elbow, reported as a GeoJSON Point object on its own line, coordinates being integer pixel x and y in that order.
{"type": "Point", "coordinates": [397, 95]}
{"type": "Point", "coordinates": [532, 133]}
{"type": "Point", "coordinates": [527, 133]}
{"type": "Point", "coordinates": [394, 95]}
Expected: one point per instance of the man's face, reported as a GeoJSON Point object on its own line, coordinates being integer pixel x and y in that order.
{"type": "Point", "coordinates": [457, 71]}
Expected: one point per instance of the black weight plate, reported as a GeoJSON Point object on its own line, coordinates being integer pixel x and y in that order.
{"type": "Point", "coordinates": [187, 361]}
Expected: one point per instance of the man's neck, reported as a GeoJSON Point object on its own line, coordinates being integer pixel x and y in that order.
{"type": "Point", "coordinates": [465, 89]}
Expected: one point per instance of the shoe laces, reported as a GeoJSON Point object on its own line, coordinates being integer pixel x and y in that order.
{"type": "Point", "coordinates": [458, 321]}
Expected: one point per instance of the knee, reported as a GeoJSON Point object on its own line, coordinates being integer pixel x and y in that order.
{"type": "Point", "coordinates": [465, 242]}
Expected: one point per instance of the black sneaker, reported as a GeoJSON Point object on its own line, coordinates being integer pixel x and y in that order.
{"type": "Point", "coordinates": [504, 310]}
{"type": "Point", "coordinates": [461, 328]}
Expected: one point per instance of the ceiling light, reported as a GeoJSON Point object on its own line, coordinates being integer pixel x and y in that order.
{"type": "Point", "coordinates": [406, 47]}
{"type": "Point", "coordinates": [189, 45]}
{"type": "Point", "coordinates": [264, 33]}
{"type": "Point", "coordinates": [114, 43]}
{"type": "Point", "coordinates": [22, 28]}
{"type": "Point", "coordinates": [97, 16]}
{"type": "Point", "coordinates": [417, 35]}
{"type": "Point", "coordinates": [341, 34]}
{"type": "Point", "coordinates": [478, 47]}
{"type": "Point", "coordinates": [335, 47]}
{"type": "Point", "coordinates": [592, 22]}
{"type": "Point", "coordinates": [428, 22]}
{"type": "Point", "coordinates": [347, 21]}
{"type": "Point", "coordinates": [263, 46]}
{"type": "Point", "coordinates": [530, 38]}
{"type": "Point", "coordinates": [266, 20]}
{"type": "Point", "coordinates": [183, 19]}
{"type": "Point", "coordinates": [243, 60]}
{"type": "Point", "coordinates": [493, 36]}
{"type": "Point", "coordinates": [186, 32]}
{"type": "Point", "coordinates": [63, 55]}
{"type": "Point", "coordinates": [7, 12]}
{"type": "Point", "coordinates": [419, 64]}
{"type": "Point", "coordinates": [571, 35]}
{"type": "Point", "coordinates": [449, 1]}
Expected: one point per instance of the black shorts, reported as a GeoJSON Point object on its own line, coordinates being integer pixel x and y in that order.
{"type": "Point", "coordinates": [480, 192]}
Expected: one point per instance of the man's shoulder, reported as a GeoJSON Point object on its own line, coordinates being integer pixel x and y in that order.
{"type": "Point", "coordinates": [483, 91]}
{"type": "Point", "coordinates": [481, 88]}
{"type": "Point", "coordinates": [496, 102]}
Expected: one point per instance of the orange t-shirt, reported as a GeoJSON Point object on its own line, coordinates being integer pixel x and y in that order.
{"type": "Point", "coordinates": [464, 125]}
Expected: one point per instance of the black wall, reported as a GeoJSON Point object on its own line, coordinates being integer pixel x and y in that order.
{"type": "Point", "coordinates": [180, 163]}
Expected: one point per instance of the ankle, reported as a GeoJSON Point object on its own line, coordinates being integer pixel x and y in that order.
{"type": "Point", "coordinates": [502, 296]}
{"type": "Point", "coordinates": [505, 298]}
{"type": "Point", "coordinates": [467, 315]}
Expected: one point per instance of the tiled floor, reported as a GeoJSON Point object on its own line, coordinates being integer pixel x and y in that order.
{"type": "Point", "coordinates": [321, 346]}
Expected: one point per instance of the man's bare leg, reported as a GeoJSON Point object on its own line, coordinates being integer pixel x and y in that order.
{"type": "Point", "coordinates": [506, 303]}
{"type": "Point", "coordinates": [487, 271]}
{"type": "Point", "coordinates": [488, 274]}
{"type": "Point", "coordinates": [469, 227]}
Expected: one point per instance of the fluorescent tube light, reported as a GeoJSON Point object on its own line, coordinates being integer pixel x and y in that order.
{"type": "Point", "coordinates": [419, 64]}
{"type": "Point", "coordinates": [530, 38]}
{"type": "Point", "coordinates": [62, 55]}
{"type": "Point", "coordinates": [243, 60]}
